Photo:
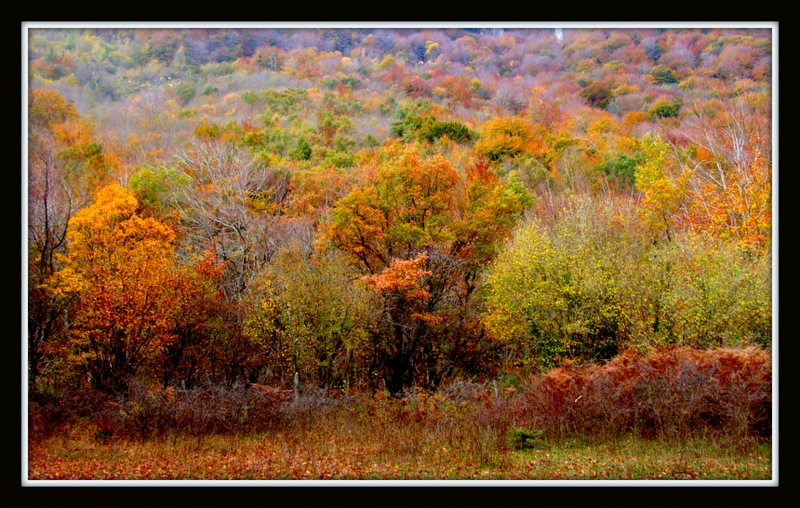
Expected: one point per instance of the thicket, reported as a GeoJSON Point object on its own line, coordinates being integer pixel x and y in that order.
{"type": "Point", "coordinates": [590, 282]}
{"type": "Point", "coordinates": [723, 395]}
{"type": "Point", "coordinates": [670, 393]}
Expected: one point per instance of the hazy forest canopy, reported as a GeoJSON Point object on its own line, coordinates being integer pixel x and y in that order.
{"type": "Point", "coordinates": [390, 208]}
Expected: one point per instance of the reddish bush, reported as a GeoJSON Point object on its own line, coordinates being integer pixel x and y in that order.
{"type": "Point", "coordinates": [672, 392]}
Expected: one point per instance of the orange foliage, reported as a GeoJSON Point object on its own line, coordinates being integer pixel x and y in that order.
{"type": "Point", "coordinates": [403, 276]}
{"type": "Point", "coordinates": [405, 207]}
{"type": "Point", "coordinates": [634, 118]}
{"type": "Point", "coordinates": [741, 208]}
{"type": "Point", "coordinates": [505, 137]}
{"type": "Point", "coordinates": [128, 290]}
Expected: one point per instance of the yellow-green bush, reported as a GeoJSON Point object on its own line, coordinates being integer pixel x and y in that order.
{"type": "Point", "coordinates": [589, 283]}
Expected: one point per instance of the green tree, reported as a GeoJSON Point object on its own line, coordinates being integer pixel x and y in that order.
{"type": "Point", "coordinates": [310, 315]}
{"type": "Point", "coordinates": [664, 109]}
{"type": "Point", "coordinates": [561, 289]}
{"type": "Point", "coordinates": [186, 91]}
{"type": "Point", "coordinates": [663, 75]}
{"type": "Point", "coordinates": [590, 282]}
{"type": "Point", "coordinates": [303, 150]}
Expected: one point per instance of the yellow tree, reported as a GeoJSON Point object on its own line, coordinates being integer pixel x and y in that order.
{"type": "Point", "coordinates": [120, 271]}
{"type": "Point", "coordinates": [663, 187]}
{"type": "Point", "coordinates": [505, 137]}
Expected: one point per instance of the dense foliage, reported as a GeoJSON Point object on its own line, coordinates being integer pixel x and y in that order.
{"type": "Point", "coordinates": [390, 208]}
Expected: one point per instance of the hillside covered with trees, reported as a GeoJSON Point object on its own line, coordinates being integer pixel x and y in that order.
{"type": "Point", "coordinates": [390, 209]}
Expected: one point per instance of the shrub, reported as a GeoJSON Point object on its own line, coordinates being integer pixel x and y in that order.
{"type": "Point", "coordinates": [663, 74]}
{"type": "Point", "coordinates": [154, 411]}
{"type": "Point", "coordinates": [520, 438]}
{"type": "Point", "coordinates": [664, 109]}
{"type": "Point", "coordinates": [670, 392]}
{"type": "Point", "coordinates": [430, 129]}
{"type": "Point", "coordinates": [597, 95]}
{"type": "Point", "coordinates": [186, 91]}
{"type": "Point", "coordinates": [50, 410]}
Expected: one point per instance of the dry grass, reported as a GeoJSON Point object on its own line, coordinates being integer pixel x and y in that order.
{"type": "Point", "coordinates": [347, 455]}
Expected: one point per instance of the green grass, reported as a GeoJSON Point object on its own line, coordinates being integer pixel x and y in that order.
{"type": "Point", "coordinates": [634, 459]}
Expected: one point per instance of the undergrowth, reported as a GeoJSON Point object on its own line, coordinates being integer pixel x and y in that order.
{"type": "Point", "coordinates": [720, 399]}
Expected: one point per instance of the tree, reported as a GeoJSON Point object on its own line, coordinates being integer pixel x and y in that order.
{"type": "Point", "coordinates": [65, 165]}
{"type": "Point", "coordinates": [401, 209]}
{"type": "Point", "coordinates": [430, 129]}
{"type": "Point", "coordinates": [120, 270]}
{"type": "Point", "coordinates": [563, 288]}
{"type": "Point", "coordinates": [504, 137]}
{"type": "Point", "coordinates": [406, 323]}
{"type": "Point", "coordinates": [186, 91]}
{"type": "Point", "coordinates": [662, 75]}
{"type": "Point", "coordinates": [303, 149]}
{"type": "Point", "coordinates": [663, 186]}
{"type": "Point", "coordinates": [49, 209]}
{"type": "Point", "coordinates": [421, 233]}
{"type": "Point", "coordinates": [597, 95]}
{"type": "Point", "coordinates": [226, 197]}
{"type": "Point", "coordinates": [589, 282]}
{"type": "Point", "coordinates": [309, 314]}
{"type": "Point", "coordinates": [664, 109]}
{"type": "Point", "coordinates": [201, 319]}
{"type": "Point", "coordinates": [731, 187]}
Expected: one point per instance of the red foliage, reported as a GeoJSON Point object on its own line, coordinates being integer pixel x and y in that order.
{"type": "Point", "coordinates": [670, 392]}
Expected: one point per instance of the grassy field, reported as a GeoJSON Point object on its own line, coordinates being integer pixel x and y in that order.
{"type": "Point", "coordinates": [346, 454]}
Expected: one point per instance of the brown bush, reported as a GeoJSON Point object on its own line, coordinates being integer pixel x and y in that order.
{"type": "Point", "coordinates": [50, 412]}
{"type": "Point", "coordinates": [154, 411]}
{"type": "Point", "coordinates": [671, 392]}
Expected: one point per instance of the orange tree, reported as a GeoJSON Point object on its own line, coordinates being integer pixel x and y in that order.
{"type": "Point", "coordinates": [128, 294]}
{"type": "Point", "coordinates": [729, 151]}
{"type": "Point", "coordinates": [420, 233]}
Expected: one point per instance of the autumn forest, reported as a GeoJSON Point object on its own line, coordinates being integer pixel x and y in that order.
{"type": "Point", "coordinates": [373, 245]}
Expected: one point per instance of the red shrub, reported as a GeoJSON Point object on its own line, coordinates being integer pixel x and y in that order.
{"type": "Point", "coordinates": [670, 392]}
